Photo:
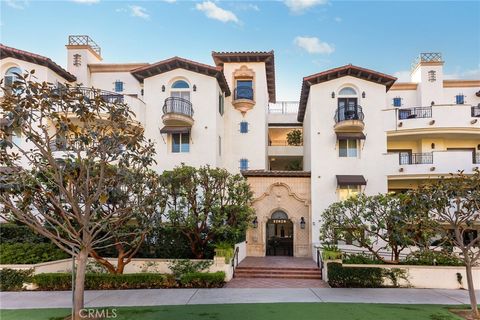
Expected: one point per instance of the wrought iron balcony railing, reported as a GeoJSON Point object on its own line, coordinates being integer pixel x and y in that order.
{"type": "Point", "coordinates": [92, 94]}
{"type": "Point", "coordinates": [349, 113]}
{"type": "Point", "coordinates": [413, 113]}
{"type": "Point", "coordinates": [84, 40]}
{"type": "Point", "coordinates": [476, 111]}
{"type": "Point", "coordinates": [415, 158]}
{"type": "Point", "coordinates": [178, 106]}
{"type": "Point", "coordinates": [243, 92]}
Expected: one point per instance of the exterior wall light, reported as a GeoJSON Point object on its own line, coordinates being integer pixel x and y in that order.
{"type": "Point", "coordinates": [163, 88]}
{"type": "Point", "coordinates": [432, 145]}
{"type": "Point", "coordinates": [302, 223]}
{"type": "Point", "coordinates": [255, 223]}
{"type": "Point", "coordinates": [333, 95]}
{"type": "Point", "coordinates": [363, 94]}
{"type": "Point", "coordinates": [194, 87]}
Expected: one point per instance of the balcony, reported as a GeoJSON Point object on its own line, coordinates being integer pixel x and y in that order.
{"type": "Point", "coordinates": [177, 112]}
{"type": "Point", "coordinates": [349, 118]}
{"type": "Point", "coordinates": [436, 119]}
{"type": "Point", "coordinates": [433, 164]}
{"type": "Point", "coordinates": [243, 99]}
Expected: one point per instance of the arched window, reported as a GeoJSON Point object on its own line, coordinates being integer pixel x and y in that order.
{"type": "Point", "coordinates": [12, 75]}
{"type": "Point", "coordinates": [279, 215]}
{"type": "Point", "coordinates": [180, 89]}
{"type": "Point", "coordinates": [347, 91]}
{"type": "Point", "coordinates": [180, 84]}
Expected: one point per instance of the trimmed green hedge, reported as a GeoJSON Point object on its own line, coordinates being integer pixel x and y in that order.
{"type": "Point", "coordinates": [106, 281]}
{"type": "Point", "coordinates": [203, 280]}
{"type": "Point", "coordinates": [356, 277]}
{"type": "Point", "coordinates": [12, 280]}
{"type": "Point", "coordinates": [30, 253]}
{"type": "Point", "coordinates": [14, 233]}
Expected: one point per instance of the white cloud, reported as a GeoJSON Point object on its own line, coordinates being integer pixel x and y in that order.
{"type": "Point", "coordinates": [313, 45]}
{"type": "Point", "coordinates": [245, 6]}
{"type": "Point", "coordinates": [139, 12]}
{"type": "Point", "coordinates": [17, 4]}
{"type": "Point", "coordinates": [170, 1]}
{"type": "Point", "coordinates": [213, 11]}
{"type": "Point", "coordinates": [338, 19]}
{"type": "Point", "coordinates": [299, 6]}
{"type": "Point", "coordinates": [86, 1]}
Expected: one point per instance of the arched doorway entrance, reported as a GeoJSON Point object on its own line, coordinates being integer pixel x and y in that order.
{"type": "Point", "coordinates": [279, 235]}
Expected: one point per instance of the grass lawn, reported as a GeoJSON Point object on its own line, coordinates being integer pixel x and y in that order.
{"type": "Point", "coordinates": [270, 311]}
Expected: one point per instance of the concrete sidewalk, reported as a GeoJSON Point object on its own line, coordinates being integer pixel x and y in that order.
{"type": "Point", "coordinates": [156, 297]}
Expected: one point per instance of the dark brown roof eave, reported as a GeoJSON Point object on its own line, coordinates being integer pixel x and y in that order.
{"type": "Point", "coordinates": [347, 70]}
{"type": "Point", "coordinates": [264, 173]}
{"type": "Point", "coordinates": [175, 63]}
{"type": "Point", "coordinates": [268, 57]}
{"type": "Point", "coordinates": [6, 52]}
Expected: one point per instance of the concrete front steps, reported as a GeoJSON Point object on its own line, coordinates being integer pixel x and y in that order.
{"type": "Point", "coordinates": [279, 273]}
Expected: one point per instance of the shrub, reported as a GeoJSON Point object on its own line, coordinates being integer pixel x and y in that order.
{"type": "Point", "coordinates": [360, 258]}
{"type": "Point", "coordinates": [12, 280]}
{"type": "Point", "coordinates": [108, 281]}
{"type": "Point", "coordinates": [430, 258]}
{"type": "Point", "coordinates": [224, 249]}
{"type": "Point", "coordinates": [182, 267]}
{"type": "Point", "coordinates": [357, 277]}
{"type": "Point", "coordinates": [105, 281]}
{"type": "Point", "coordinates": [14, 233]}
{"type": "Point", "coordinates": [29, 253]}
{"type": "Point", "coordinates": [203, 280]}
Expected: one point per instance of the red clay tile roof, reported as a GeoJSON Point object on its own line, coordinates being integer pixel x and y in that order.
{"type": "Point", "coordinates": [251, 56]}
{"type": "Point", "coordinates": [6, 52]}
{"type": "Point", "coordinates": [265, 173]}
{"type": "Point", "coordinates": [176, 62]}
{"type": "Point", "coordinates": [347, 70]}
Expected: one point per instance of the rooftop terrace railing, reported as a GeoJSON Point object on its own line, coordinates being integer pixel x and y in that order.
{"type": "Point", "coordinates": [413, 113]}
{"type": "Point", "coordinates": [283, 107]}
{"type": "Point", "coordinates": [84, 40]}
{"type": "Point", "coordinates": [415, 158]}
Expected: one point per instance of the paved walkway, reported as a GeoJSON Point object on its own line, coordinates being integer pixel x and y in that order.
{"type": "Point", "coordinates": [153, 297]}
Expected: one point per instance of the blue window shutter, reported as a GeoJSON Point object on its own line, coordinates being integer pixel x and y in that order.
{"type": "Point", "coordinates": [118, 86]}
{"type": "Point", "coordinates": [243, 164]}
{"type": "Point", "coordinates": [243, 127]}
{"type": "Point", "coordinates": [397, 102]}
{"type": "Point", "coordinates": [459, 99]}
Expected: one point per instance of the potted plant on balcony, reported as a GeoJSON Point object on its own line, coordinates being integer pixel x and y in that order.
{"type": "Point", "coordinates": [294, 138]}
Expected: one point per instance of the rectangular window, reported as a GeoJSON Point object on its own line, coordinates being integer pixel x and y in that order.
{"type": "Point", "coordinates": [345, 192]}
{"type": "Point", "coordinates": [180, 142]}
{"type": "Point", "coordinates": [460, 99]}
{"type": "Point", "coordinates": [397, 102]}
{"type": "Point", "coordinates": [348, 148]}
{"type": "Point", "coordinates": [219, 146]}
{"type": "Point", "coordinates": [118, 86]}
{"type": "Point", "coordinates": [243, 127]}
{"type": "Point", "coordinates": [244, 89]}
{"type": "Point", "coordinates": [243, 164]}
{"type": "Point", "coordinates": [221, 104]}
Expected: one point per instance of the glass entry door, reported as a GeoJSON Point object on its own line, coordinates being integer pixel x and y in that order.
{"type": "Point", "coordinates": [279, 237]}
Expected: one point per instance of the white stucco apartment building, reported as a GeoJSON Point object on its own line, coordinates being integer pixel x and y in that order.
{"type": "Point", "coordinates": [362, 130]}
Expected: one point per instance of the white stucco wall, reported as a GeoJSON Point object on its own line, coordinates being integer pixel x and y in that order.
{"type": "Point", "coordinates": [325, 161]}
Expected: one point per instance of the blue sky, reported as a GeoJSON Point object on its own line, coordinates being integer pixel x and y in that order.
{"type": "Point", "coordinates": [308, 36]}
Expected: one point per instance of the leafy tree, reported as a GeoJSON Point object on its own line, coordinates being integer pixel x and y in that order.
{"type": "Point", "coordinates": [454, 202]}
{"type": "Point", "coordinates": [140, 190]}
{"type": "Point", "coordinates": [377, 223]}
{"type": "Point", "coordinates": [294, 138]}
{"type": "Point", "coordinates": [207, 204]}
{"type": "Point", "coordinates": [66, 199]}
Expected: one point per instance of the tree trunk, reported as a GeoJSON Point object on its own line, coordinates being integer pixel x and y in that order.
{"type": "Point", "coordinates": [78, 297]}
{"type": "Point", "coordinates": [471, 291]}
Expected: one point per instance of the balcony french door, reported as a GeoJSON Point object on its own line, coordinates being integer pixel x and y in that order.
{"type": "Point", "coordinates": [347, 108]}
{"type": "Point", "coordinates": [181, 94]}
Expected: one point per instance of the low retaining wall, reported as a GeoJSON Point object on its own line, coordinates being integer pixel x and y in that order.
{"type": "Point", "coordinates": [135, 266]}
{"type": "Point", "coordinates": [431, 277]}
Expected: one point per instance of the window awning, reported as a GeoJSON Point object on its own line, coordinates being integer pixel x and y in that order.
{"type": "Point", "coordinates": [172, 129]}
{"type": "Point", "coordinates": [350, 135]}
{"type": "Point", "coordinates": [351, 180]}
